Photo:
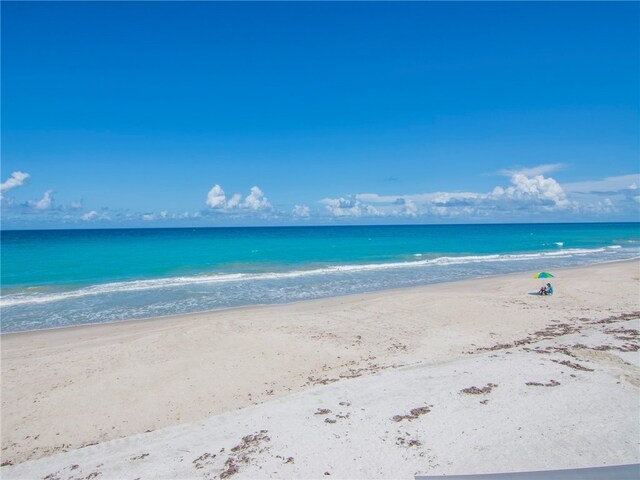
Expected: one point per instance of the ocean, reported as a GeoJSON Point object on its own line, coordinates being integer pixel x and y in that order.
{"type": "Point", "coordinates": [57, 278]}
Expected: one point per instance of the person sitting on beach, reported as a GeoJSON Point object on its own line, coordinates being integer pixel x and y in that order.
{"type": "Point", "coordinates": [549, 289]}
{"type": "Point", "coordinates": [543, 290]}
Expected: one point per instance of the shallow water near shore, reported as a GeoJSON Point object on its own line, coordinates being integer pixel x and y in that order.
{"type": "Point", "coordinates": [60, 278]}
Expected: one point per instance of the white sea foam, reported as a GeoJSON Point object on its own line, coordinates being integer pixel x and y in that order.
{"type": "Point", "coordinates": [560, 244]}
{"type": "Point", "coordinates": [174, 282]}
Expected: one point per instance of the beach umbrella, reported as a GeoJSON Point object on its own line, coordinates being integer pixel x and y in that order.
{"type": "Point", "coordinates": [543, 275]}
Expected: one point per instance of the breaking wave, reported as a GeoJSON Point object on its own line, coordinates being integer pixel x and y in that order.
{"type": "Point", "coordinates": [25, 298]}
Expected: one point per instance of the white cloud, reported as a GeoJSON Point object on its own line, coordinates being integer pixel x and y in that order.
{"type": "Point", "coordinates": [15, 180]}
{"type": "Point", "coordinates": [181, 216]}
{"type": "Point", "coordinates": [89, 216]}
{"type": "Point", "coordinates": [75, 205]}
{"type": "Point", "coordinates": [93, 215]}
{"type": "Point", "coordinates": [216, 197]}
{"type": "Point", "coordinates": [361, 206]}
{"type": "Point", "coordinates": [533, 171]}
{"type": "Point", "coordinates": [410, 208]}
{"type": "Point", "coordinates": [420, 198]}
{"type": "Point", "coordinates": [234, 201]}
{"type": "Point", "coordinates": [300, 211]}
{"type": "Point", "coordinates": [600, 207]}
{"type": "Point", "coordinates": [525, 193]}
{"type": "Point", "coordinates": [166, 215]}
{"type": "Point", "coordinates": [44, 203]}
{"type": "Point", "coordinates": [533, 190]}
{"type": "Point", "coordinates": [255, 201]}
{"type": "Point", "coordinates": [350, 207]}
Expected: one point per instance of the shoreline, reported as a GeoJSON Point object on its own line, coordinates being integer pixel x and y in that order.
{"type": "Point", "coordinates": [72, 387]}
{"type": "Point", "coordinates": [294, 302]}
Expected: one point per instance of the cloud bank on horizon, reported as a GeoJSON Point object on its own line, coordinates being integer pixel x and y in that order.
{"type": "Point", "coordinates": [529, 196]}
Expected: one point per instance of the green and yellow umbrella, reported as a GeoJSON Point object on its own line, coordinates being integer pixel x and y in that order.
{"type": "Point", "coordinates": [543, 275]}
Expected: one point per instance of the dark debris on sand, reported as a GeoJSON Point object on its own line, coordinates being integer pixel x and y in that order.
{"type": "Point", "coordinates": [552, 383]}
{"type": "Point", "coordinates": [575, 366]}
{"type": "Point", "coordinates": [241, 453]}
{"type": "Point", "coordinates": [203, 460]}
{"type": "Point", "coordinates": [413, 414]}
{"type": "Point", "coordinates": [408, 442]}
{"type": "Point", "coordinates": [479, 391]}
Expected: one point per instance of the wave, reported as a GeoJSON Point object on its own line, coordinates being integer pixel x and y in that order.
{"type": "Point", "coordinates": [173, 282]}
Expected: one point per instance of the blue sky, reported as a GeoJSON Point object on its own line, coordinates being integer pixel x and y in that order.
{"type": "Point", "coordinates": [205, 114]}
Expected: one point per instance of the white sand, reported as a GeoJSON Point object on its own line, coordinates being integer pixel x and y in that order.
{"type": "Point", "coordinates": [107, 382]}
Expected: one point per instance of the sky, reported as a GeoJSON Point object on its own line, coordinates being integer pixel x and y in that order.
{"type": "Point", "coordinates": [123, 114]}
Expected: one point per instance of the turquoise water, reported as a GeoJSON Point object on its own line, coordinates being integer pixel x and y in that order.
{"type": "Point", "coordinates": [57, 278]}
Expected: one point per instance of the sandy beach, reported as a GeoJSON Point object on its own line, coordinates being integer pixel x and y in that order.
{"type": "Point", "coordinates": [471, 376]}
